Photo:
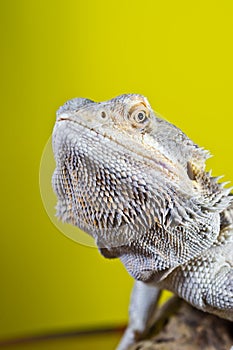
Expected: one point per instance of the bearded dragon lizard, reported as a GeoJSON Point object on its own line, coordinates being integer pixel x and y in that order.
{"type": "Point", "coordinates": [138, 185]}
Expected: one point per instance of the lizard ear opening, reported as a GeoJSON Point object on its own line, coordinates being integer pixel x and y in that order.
{"type": "Point", "coordinates": [190, 171]}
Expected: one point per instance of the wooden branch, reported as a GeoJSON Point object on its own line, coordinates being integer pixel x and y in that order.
{"type": "Point", "coordinates": [181, 327]}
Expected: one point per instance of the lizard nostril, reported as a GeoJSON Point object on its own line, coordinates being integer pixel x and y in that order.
{"type": "Point", "coordinates": [103, 115]}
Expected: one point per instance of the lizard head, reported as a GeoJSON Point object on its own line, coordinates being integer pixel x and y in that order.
{"type": "Point", "coordinates": [121, 170]}
{"type": "Point", "coordinates": [123, 118]}
{"type": "Point", "coordinates": [129, 121]}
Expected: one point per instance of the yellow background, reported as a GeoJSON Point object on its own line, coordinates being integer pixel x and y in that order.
{"type": "Point", "coordinates": [177, 53]}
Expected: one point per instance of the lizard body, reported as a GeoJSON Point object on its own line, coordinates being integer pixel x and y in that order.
{"type": "Point", "coordinates": [138, 185]}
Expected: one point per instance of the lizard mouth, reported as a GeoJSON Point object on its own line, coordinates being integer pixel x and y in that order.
{"type": "Point", "coordinates": [84, 126]}
{"type": "Point", "coordinates": [161, 161]}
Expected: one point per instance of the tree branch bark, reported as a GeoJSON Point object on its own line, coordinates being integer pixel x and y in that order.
{"type": "Point", "coordinates": [179, 326]}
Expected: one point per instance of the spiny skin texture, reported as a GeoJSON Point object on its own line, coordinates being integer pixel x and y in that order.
{"type": "Point", "coordinates": [138, 185]}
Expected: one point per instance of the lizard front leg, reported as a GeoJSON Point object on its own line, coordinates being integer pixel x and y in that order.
{"type": "Point", "coordinates": [206, 282]}
{"type": "Point", "coordinates": [143, 303]}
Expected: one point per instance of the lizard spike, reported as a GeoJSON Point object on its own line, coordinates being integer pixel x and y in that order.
{"type": "Point", "coordinates": [223, 184]}
{"type": "Point", "coordinates": [217, 178]}
{"type": "Point", "coordinates": [227, 190]}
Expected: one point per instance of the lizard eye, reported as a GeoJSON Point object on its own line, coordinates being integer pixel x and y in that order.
{"type": "Point", "coordinates": [139, 116]}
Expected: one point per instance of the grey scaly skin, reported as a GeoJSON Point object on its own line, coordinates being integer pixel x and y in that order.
{"type": "Point", "coordinates": [138, 185]}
